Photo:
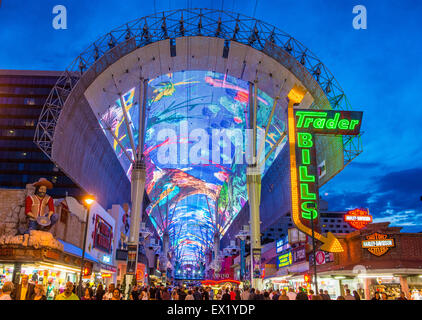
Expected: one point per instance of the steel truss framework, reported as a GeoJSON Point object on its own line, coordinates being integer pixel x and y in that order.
{"type": "Point", "coordinates": [187, 23]}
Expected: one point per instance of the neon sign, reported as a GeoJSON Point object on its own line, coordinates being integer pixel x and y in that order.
{"type": "Point", "coordinates": [303, 124]}
{"type": "Point", "coordinates": [284, 260]}
{"type": "Point", "coordinates": [378, 244]}
{"type": "Point", "coordinates": [358, 218]}
{"type": "Point", "coordinates": [329, 121]}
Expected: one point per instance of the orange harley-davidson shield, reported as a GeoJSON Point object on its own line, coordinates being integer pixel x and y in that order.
{"type": "Point", "coordinates": [378, 244]}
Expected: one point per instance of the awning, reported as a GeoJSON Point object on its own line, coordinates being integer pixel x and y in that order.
{"type": "Point", "coordinates": [76, 251]}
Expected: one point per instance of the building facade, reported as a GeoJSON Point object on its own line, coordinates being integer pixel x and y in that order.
{"type": "Point", "coordinates": [22, 96]}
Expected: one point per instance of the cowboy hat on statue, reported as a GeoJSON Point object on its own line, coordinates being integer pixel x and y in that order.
{"type": "Point", "coordinates": [40, 207]}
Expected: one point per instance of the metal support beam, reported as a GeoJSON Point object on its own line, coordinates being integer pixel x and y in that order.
{"type": "Point", "coordinates": [128, 127]}
{"type": "Point", "coordinates": [253, 182]}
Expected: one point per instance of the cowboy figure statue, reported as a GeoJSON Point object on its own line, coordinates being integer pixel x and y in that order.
{"type": "Point", "coordinates": [35, 207]}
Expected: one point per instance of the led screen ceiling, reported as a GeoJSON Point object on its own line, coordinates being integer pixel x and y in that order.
{"type": "Point", "coordinates": [194, 191]}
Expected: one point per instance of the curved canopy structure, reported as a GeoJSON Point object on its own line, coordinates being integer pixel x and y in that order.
{"type": "Point", "coordinates": [200, 66]}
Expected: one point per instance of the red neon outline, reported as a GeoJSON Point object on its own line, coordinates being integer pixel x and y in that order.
{"type": "Point", "coordinates": [211, 282]}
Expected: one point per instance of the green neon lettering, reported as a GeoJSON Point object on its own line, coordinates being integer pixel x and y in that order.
{"type": "Point", "coordinates": [353, 124]}
{"type": "Point", "coordinates": [306, 211]}
{"type": "Point", "coordinates": [343, 124]}
{"type": "Point", "coordinates": [303, 114]}
{"type": "Point", "coordinates": [304, 140]}
{"type": "Point", "coordinates": [304, 176]}
{"type": "Point", "coordinates": [308, 121]}
{"type": "Point", "coordinates": [319, 123]}
{"type": "Point", "coordinates": [305, 194]}
{"type": "Point", "coordinates": [332, 123]}
{"type": "Point", "coordinates": [306, 158]}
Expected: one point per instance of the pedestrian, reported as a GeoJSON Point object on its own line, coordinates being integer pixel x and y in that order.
{"type": "Point", "coordinates": [158, 293]}
{"type": "Point", "coordinates": [182, 294]}
{"type": "Point", "coordinates": [109, 294]}
{"type": "Point", "coordinates": [276, 294]}
{"type": "Point", "coordinates": [291, 294]}
{"type": "Point", "coordinates": [237, 294]}
{"type": "Point", "coordinates": [340, 298]}
{"type": "Point", "coordinates": [7, 290]}
{"type": "Point", "coordinates": [376, 296]}
{"type": "Point", "coordinates": [348, 296]}
{"type": "Point", "coordinates": [152, 292]}
{"type": "Point", "coordinates": [206, 294]}
{"type": "Point", "coordinates": [116, 294]}
{"type": "Point", "coordinates": [283, 295]}
{"type": "Point", "coordinates": [356, 295]}
{"type": "Point", "coordinates": [266, 295]}
{"type": "Point", "coordinates": [384, 296]}
{"type": "Point", "coordinates": [301, 295]}
{"type": "Point", "coordinates": [326, 295]}
{"type": "Point", "coordinates": [226, 295]}
{"type": "Point", "coordinates": [165, 295]}
{"type": "Point", "coordinates": [87, 295]}
{"type": "Point", "coordinates": [190, 296]}
{"type": "Point", "coordinates": [245, 294]}
{"type": "Point", "coordinates": [232, 294]}
{"type": "Point", "coordinates": [23, 291]}
{"type": "Point", "coordinates": [134, 294]}
{"type": "Point", "coordinates": [219, 295]}
{"type": "Point", "coordinates": [196, 294]}
{"type": "Point", "coordinates": [144, 294]}
{"type": "Point", "coordinates": [99, 292]}
{"type": "Point", "coordinates": [68, 293]}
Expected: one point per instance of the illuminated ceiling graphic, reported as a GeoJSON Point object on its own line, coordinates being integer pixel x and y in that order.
{"type": "Point", "coordinates": [186, 192]}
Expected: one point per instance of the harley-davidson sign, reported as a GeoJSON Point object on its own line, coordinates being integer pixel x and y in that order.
{"type": "Point", "coordinates": [358, 218]}
{"type": "Point", "coordinates": [378, 244]}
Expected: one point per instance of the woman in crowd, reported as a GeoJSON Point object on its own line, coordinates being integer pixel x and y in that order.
{"type": "Point", "coordinates": [87, 295]}
{"type": "Point", "coordinates": [39, 293]}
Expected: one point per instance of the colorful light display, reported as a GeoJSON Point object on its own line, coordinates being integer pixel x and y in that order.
{"type": "Point", "coordinates": [192, 199]}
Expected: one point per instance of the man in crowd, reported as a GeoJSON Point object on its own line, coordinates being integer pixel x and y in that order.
{"type": "Point", "coordinates": [291, 294]}
{"type": "Point", "coordinates": [23, 291]}
{"type": "Point", "coordinates": [301, 295]}
{"type": "Point", "coordinates": [348, 296]}
{"type": "Point", "coordinates": [67, 293]}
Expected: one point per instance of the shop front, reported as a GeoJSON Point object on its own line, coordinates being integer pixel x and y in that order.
{"type": "Point", "coordinates": [49, 267]}
{"type": "Point", "coordinates": [378, 258]}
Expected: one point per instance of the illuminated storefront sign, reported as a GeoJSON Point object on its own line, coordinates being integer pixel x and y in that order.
{"type": "Point", "coordinates": [284, 260]}
{"type": "Point", "coordinates": [282, 245]}
{"type": "Point", "coordinates": [103, 234]}
{"type": "Point", "coordinates": [299, 254]}
{"type": "Point", "coordinates": [321, 257]}
{"type": "Point", "coordinates": [358, 218]}
{"type": "Point", "coordinates": [303, 124]}
{"type": "Point", "coordinates": [378, 244]}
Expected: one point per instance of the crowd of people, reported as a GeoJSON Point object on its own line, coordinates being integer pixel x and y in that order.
{"type": "Point", "coordinates": [28, 291]}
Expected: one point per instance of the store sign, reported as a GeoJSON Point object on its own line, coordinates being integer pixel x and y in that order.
{"type": "Point", "coordinates": [6, 252]}
{"type": "Point", "coordinates": [103, 235]}
{"type": "Point", "coordinates": [303, 125]}
{"type": "Point", "coordinates": [299, 254]}
{"type": "Point", "coordinates": [284, 260]}
{"type": "Point", "coordinates": [256, 265]}
{"type": "Point", "coordinates": [321, 257]}
{"type": "Point", "coordinates": [358, 218]}
{"type": "Point", "coordinates": [378, 244]}
{"type": "Point", "coordinates": [132, 251]}
{"type": "Point", "coordinates": [106, 259]}
{"type": "Point", "coordinates": [282, 245]}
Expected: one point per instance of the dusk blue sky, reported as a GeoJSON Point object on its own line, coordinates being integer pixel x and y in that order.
{"type": "Point", "coordinates": [379, 69]}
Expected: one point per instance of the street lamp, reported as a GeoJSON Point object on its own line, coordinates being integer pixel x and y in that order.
{"type": "Point", "coordinates": [88, 200]}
